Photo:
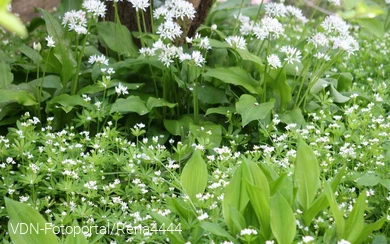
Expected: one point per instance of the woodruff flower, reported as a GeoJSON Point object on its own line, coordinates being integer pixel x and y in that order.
{"type": "Point", "coordinates": [140, 4]}
{"type": "Point", "coordinates": [236, 42]}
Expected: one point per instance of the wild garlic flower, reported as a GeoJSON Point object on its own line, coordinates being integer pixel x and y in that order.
{"type": "Point", "coordinates": [76, 21]}
{"type": "Point", "coordinates": [237, 42]}
{"type": "Point", "coordinates": [346, 43]}
{"type": "Point", "coordinates": [198, 59]}
{"type": "Point", "coordinates": [268, 27]}
{"type": "Point", "coordinates": [140, 4]}
{"type": "Point", "coordinates": [147, 51]}
{"type": "Point", "coordinates": [121, 89]}
{"type": "Point", "coordinates": [274, 61]}
{"type": "Point", "coordinates": [100, 59]}
{"type": "Point", "coordinates": [275, 9]}
{"type": "Point", "coordinates": [169, 30]}
{"type": "Point", "coordinates": [334, 2]}
{"type": "Point", "coordinates": [319, 40]}
{"type": "Point", "coordinates": [97, 8]}
{"type": "Point", "coordinates": [292, 54]}
{"type": "Point", "coordinates": [335, 24]}
{"type": "Point", "coordinates": [50, 41]}
{"type": "Point", "coordinates": [178, 9]}
{"type": "Point", "coordinates": [297, 13]}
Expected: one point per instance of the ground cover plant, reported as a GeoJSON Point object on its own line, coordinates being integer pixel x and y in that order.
{"type": "Point", "coordinates": [269, 125]}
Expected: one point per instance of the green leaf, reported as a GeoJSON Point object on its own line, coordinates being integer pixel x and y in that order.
{"type": "Point", "coordinates": [276, 79]}
{"type": "Point", "coordinates": [379, 239]}
{"type": "Point", "coordinates": [215, 229]}
{"type": "Point", "coordinates": [344, 81]}
{"type": "Point", "coordinates": [76, 237]}
{"type": "Point", "coordinates": [249, 109]}
{"type": "Point", "coordinates": [237, 218]}
{"type": "Point", "coordinates": [31, 54]}
{"type": "Point", "coordinates": [293, 117]}
{"type": "Point", "coordinates": [246, 55]}
{"type": "Point", "coordinates": [201, 133]}
{"type": "Point", "coordinates": [336, 212]}
{"type": "Point", "coordinates": [175, 237]}
{"type": "Point", "coordinates": [38, 230]}
{"type": "Point", "coordinates": [178, 127]}
{"type": "Point", "coordinates": [49, 81]}
{"type": "Point", "coordinates": [236, 76]}
{"type": "Point", "coordinates": [12, 23]}
{"type": "Point", "coordinates": [20, 96]}
{"type": "Point", "coordinates": [117, 37]}
{"type": "Point", "coordinates": [257, 187]}
{"type": "Point", "coordinates": [386, 183]}
{"type": "Point", "coordinates": [67, 102]}
{"type": "Point", "coordinates": [368, 229]}
{"type": "Point", "coordinates": [211, 95]}
{"type": "Point", "coordinates": [221, 110]}
{"type": "Point", "coordinates": [62, 49]}
{"type": "Point", "coordinates": [321, 201]}
{"type": "Point", "coordinates": [283, 223]}
{"type": "Point", "coordinates": [355, 222]}
{"type": "Point", "coordinates": [194, 176]}
{"type": "Point", "coordinates": [337, 97]}
{"type": "Point", "coordinates": [6, 77]}
{"type": "Point", "coordinates": [283, 185]}
{"type": "Point", "coordinates": [130, 104]}
{"type": "Point", "coordinates": [306, 175]}
{"type": "Point", "coordinates": [235, 197]}
{"type": "Point", "coordinates": [158, 102]}
{"type": "Point", "coordinates": [368, 180]}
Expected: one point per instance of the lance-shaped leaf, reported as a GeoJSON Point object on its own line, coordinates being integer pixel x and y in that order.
{"type": "Point", "coordinates": [283, 223]}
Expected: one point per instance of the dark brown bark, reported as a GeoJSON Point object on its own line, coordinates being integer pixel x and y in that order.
{"type": "Point", "coordinates": [202, 9]}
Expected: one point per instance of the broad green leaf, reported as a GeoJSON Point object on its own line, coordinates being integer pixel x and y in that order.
{"type": "Point", "coordinates": [236, 197]}
{"type": "Point", "coordinates": [178, 127]}
{"type": "Point", "coordinates": [318, 86]}
{"type": "Point", "coordinates": [158, 102]}
{"type": "Point", "coordinates": [20, 96]}
{"type": "Point", "coordinates": [194, 176]}
{"type": "Point", "coordinates": [276, 79]}
{"type": "Point", "coordinates": [368, 229]}
{"type": "Point", "coordinates": [130, 104]}
{"type": "Point", "coordinates": [12, 23]}
{"type": "Point", "coordinates": [336, 212]}
{"type": "Point", "coordinates": [62, 50]}
{"type": "Point", "coordinates": [246, 55]}
{"type": "Point", "coordinates": [117, 37]}
{"type": "Point", "coordinates": [256, 185]}
{"type": "Point", "coordinates": [250, 110]}
{"type": "Point", "coordinates": [337, 97]}
{"type": "Point", "coordinates": [221, 110]}
{"type": "Point", "coordinates": [293, 117]}
{"type": "Point", "coordinates": [215, 229]}
{"type": "Point", "coordinates": [67, 102]}
{"type": "Point", "coordinates": [36, 228]}
{"type": "Point", "coordinates": [77, 236]}
{"type": "Point", "coordinates": [6, 77]}
{"type": "Point", "coordinates": [212, 95]}
{"type": "Point", "coordinates": [355, 222]}
{"type": "Point", "coordinates": [175, 237]}
{"type": "Point", "coordinates": [180, 207]}
{"type": "Point", "coordinates": [283, 185]}
{"type": "Point", "coordinates": [373, 26]}
{"type": "Point", "coordinates": [237, 218]}
{"type": "Point", "coordinates": [236, 76]}
{"type": "Point", "coordinates": [31, 54]}
{"type": "Point", "coordinates": [379, 239]}
{"type": "Point", "coordinates": [306, 175]}
{"type": "Point", "coordinates": [368, 180]}
{"type": "Point", "coordinates": [344, 81]}
{"type": "Point", "coordinates": [283, 223]}
{"type": "Point", "coordinates": [321, 201]}
{"type": "Point", "coordinates": [202, 133]}
{"type": "Point", "coordinates": [386, 183]}
{"type": "Point", "coordinates": [49, 81]}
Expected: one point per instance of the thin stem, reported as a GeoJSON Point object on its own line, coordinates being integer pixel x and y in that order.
{"type": "Point", "coordinates": [41, 85]}
{"type": "Point", "coordinates": [80, 57]}
{"type": "Point", "coordinates": [139, 28]}
{"type": "Point", "coordinates": [151, 15]}
{"type": "Point", "coordinates": [196, 104]}
{"type": "Point", "coordinates": [238, 18]}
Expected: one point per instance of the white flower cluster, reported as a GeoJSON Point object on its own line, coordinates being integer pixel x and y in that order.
{"type": "Point", "coordinates": [76, 21]}
{"type": "Point", "coordinates": [336, 36]}
{"type": "Point", "coordinates": [97, 8]}
{"type": "Point", "coordinates": [178, 9]}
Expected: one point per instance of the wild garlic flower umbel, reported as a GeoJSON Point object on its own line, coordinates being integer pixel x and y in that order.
{"type": "Point", "coordinates": [236, 42]}
{"type": "Point", "coordinates": [50, 41]}
{"type": "Point", "coordinates": [100, 59]}
{"type": "Point", "coordinates": [96, 7]}
{"type": "Point", "coordinates": [140, 4]}
{"type": "Point", "coordinates": [178, 9]}
{"type": "Point", "coordinates": [274, 61]}
{"type": "Point", "coordinates": [76, 21]}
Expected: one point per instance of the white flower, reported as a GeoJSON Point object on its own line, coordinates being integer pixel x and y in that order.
{"type": "Point", "coordinates": [346, 43]}
{"type": "Point", "coordinates": [37, 46]}
{"type": "Point", "coordinates": [120, 89]}
{"type": "Point", "coordinates": [76, 21]}
{"type": "Point", "coordinates": [268, 26]}
{"type": "Point", "coordinates": [248, 232]}
{"type": "Point", "coordinates": [98, 59]}
{"type": "Point", "coordinates": [275, 9]}
{"type": "Point", "coordinates": [147, 51]}
{"type": "Point", "coordinates": [319, 39]}
{"type": "Point", "coordinates": [178, 9]}
{"type": "Point", "coordinates": [96, 7]}
{"type": "Point", "coordinates": [204, 43]}
{"type": "Point", "coordinates": [50, 41]}
{"type": "Point", "coordinates": [342, 241]}
{"type": "Point", "coordinates": [140, 4]}
{"type": "Point", "coordinates": [297, 13]}
{"type": "Point", "coordinates": [307, 239]}
{"type": "Point", "coordinates": [334, 2]}
{"type": "Point", "coordinates": [292, 54]}
{"type": "Point", "coordinates": [335, 24]}
{"type": "Point", "coordinates": [236, 42]}
{"type": "Point", "coordinates": [198, 58]}
{"type": "Point", "coordinates": [169, 30]}
{"type": "Point", "coordinates": [274, 61]}
{"type": "Point", "coordinates": [203, 216]}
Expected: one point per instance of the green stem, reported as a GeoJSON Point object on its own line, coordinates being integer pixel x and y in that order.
{"type": "Point", "coordinates": [151, 15]}
{"type": "Point", "coordinates": [238, 18]}
{"type": "Point", "coordinates": [139, 28]}
{"type": "Point", "coordinates": [41, 85]}
{"type": "Point", "coordinates": [80, 57]}
{"type": "Point", "coordinates": [196, 104]}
